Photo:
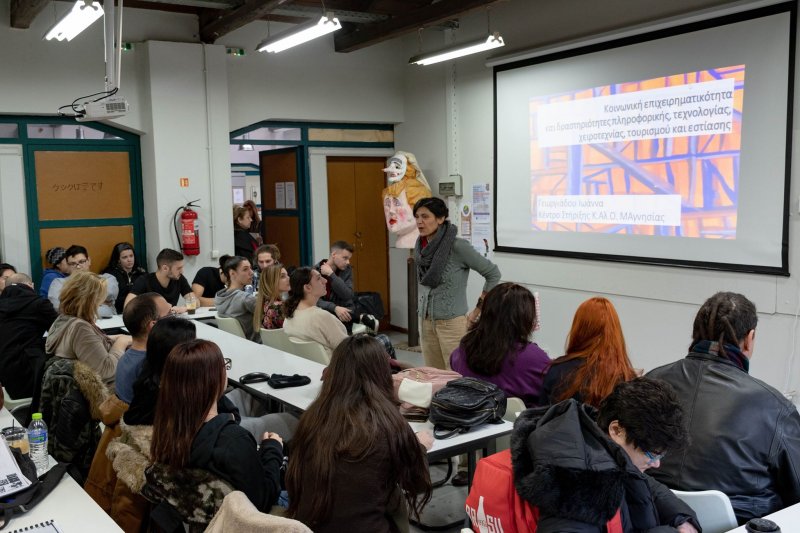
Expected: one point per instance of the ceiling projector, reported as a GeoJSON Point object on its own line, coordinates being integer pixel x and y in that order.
{"type": "Point", "coordinates": [104, 109]}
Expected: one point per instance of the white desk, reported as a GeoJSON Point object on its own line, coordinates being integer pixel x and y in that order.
{"type": "Point", "coordinates": [72, 509]}
{"type": "Point", "coordinates": [247, 356]}
{"type": "Point", "coordinates": [787, 519]}
{"type": "Point", "coordinates": [202, 313]}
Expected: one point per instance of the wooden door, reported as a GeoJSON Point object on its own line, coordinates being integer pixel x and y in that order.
{"type": "Point", "coordinates": [355, 215]}
{"type": "Point", "coordinates": [281, 202]}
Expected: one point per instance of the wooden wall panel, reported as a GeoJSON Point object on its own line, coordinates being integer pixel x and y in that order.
{"type": "Point", "coordinates": [81, 185]}
{"type": "Point", "coordinates": [98, 240]}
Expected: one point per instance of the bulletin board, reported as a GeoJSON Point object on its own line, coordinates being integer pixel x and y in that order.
{"type": "Point", "coordinates": [83, 185]}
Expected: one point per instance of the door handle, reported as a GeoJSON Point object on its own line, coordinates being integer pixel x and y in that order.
{"type": "Point", "coordinates": [357, 234]}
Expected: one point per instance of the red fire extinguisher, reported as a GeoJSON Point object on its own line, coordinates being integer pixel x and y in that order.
{"type": "Point", "coordinates": [188, 233]}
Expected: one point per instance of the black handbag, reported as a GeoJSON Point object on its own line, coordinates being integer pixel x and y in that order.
{"type": "Point", "coordinates": [465, 403]}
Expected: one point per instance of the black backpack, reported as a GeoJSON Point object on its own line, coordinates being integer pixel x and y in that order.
{"type": "Point", "coordinates": [465, 403]}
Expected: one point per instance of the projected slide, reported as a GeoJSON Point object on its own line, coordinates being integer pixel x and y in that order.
{"type": "Point", "coordinates": [653, 157]}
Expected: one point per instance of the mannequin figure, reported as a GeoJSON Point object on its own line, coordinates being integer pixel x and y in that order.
{"type": "Point", "coordinates": [407, 185]}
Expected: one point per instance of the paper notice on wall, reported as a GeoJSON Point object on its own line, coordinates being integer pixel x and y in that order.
{"type": "Point", "coordinates": [280, 195]}
{"type": "Point", "coordinates": [291, 199]}
{"type": "Point", "coordinates": [466, 221]}
{"type": "Point", "coordinates": [481, 237]}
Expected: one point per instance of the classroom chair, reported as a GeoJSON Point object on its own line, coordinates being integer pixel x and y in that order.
{"type": "Point", "coordinates": [230, 325]}
{"type": "Point", "coordinates": [276, 338]}
{"type": "Point", "coordinates": [713, 508]}
{"type": "Point", "coordinates": [313, 351]}
{"type": "Point", "coordinates": [10, 403]}
{"type": "Point", "coordinates": [514, 406]}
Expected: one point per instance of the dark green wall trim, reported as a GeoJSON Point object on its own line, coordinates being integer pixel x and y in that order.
{"type": "Point", "coordinates": [127, 142]}
{"type": "Point", "coordinates": [303, 211]}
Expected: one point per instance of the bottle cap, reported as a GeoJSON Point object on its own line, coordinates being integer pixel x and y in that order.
{"type": "Point", "coordinates": [36, 416]}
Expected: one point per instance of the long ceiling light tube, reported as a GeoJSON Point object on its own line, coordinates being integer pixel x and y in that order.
{"type": "Point", "coordinates": [451, 52]}
{"type": "Point", "coordinates": [300, 34]}
{"type": "Point", "coordinates": [80, 17]}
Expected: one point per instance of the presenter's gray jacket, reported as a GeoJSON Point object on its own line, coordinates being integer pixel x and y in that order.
{"type": "Point", "coordinates": [449, 299]}
{"type": "Point", "coordinates": [745, 437]}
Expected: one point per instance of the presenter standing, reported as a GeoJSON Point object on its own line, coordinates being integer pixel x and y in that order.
{"type": "Point", "coordinates": [443, 265]}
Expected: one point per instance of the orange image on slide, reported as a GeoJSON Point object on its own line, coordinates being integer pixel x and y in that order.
{"type": "Point", "coordinates": [702, 169]}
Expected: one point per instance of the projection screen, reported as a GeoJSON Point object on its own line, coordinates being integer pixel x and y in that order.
{"type": "Point", "coordinates": [671, 147]}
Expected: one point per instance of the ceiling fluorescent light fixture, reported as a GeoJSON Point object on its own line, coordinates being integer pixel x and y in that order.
{"type": "Point", "coordinates": [464, 49]}
{"type": "Point", "coordinates": [300, 34]}
{"type": "Point", "coordinates": [80, 17]}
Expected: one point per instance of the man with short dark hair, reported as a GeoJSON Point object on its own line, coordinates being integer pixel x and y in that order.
{"type": "Point", "coordinates": [6, 271]}
{"type": "Point", "coordinates": [139, 317]}
{"type": "Point", "coordinates": [586, 471]}
{"type": "Point", "coordinates": [340, 298]}
{"type": "Point", "coordinates": [745, 435]}
{"type": "Point", "coordinates": [77, 258]}
{"type": "Point", "coordinates": [167, 280]}
{"type": "Point", "coordinates": [24, 318]}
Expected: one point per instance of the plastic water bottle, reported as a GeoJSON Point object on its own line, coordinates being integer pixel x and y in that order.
{"type": "Point", "coordinates": [249, 289]}
{"type": "Point", "coordinates": [37, 437]}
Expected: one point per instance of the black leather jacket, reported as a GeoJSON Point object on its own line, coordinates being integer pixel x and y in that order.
{"type": "Point", "coordinates": [745, 437]}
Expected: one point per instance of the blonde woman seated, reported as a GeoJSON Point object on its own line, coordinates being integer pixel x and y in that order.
{"type": "Point", "coordinates": [272, 284]}
{"type": "Point", "coordinates": [304, 320]}
{"type": "Point", "coordinates": [74, 334]}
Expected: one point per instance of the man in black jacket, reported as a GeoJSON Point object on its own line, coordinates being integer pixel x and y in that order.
{"type": "Point", "coordinates": [579, 472]}
{"type": "Point", "coordinates": [24, 317]}
{"type": "Point", "coordinates": [745, 435]}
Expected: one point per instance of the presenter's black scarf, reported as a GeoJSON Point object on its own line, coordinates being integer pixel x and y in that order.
{"type": "Point", "coordinates": [432, 259]}
{"type": "Point", "coordinates": [729, 351]}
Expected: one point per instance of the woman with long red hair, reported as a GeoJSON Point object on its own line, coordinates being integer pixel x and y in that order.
{"type": "Point", "coordinates": [595, 359]}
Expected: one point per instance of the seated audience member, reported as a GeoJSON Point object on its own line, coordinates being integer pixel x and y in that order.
{"type": "Point", "coordinates": [74, 335]}
{"type": "Point", "coordinates": [188, 431]}
{"type": "Point", "coordinates": [339, 298]}
{"type": "Point", "coordinates": [139, 317]}
{"type": "Point", "coordinates": [78, 260]}
{"type": "Point", "coordinates": [497, 349]}
{"type": "Point", "coordinates": [24, 317]}
{"type": "Point", "coordinates": [354, 459]}
{"type": "Point", "coordinates": [6, 271]}
{"type": "Point", "coordinates": [744, 434]}
{"type": "Point", "coordinates": [208, 281]}
{"type": "Point", "coordinates": [57, 259]}
{"type": "Point", "coordinates": [304, 320]}
{"type": "Point", "coordinates": [596, 358]}
{"type": "Point", "coordinates": [124, 266]}
{"type": "Point", "coordinates": [168, 280]}
{"type": "Point", "coordinates": [274, 283]}
{"type": "Point", "coordinates": [580, 487]}
{"type": "Point", "coordinates": [233, 301]}
{"type": "Point", "coordinates": [266, 255]}
{"type": "Point", "coordinates": [244, 244]}
{"type": "Point", "coordinates": [164, 336]}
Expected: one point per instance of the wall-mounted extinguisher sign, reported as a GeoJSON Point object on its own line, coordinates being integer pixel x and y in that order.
{"type": "Point", "coordinates": [187, 231]}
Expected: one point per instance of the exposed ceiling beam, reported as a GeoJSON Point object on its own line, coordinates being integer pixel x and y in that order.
{"type": "Point", "coordinates": [433, 14]}
{"type": "Point", "coordinates": [24, 11]}
{"type": "Point", "coordinates": [223, 22]}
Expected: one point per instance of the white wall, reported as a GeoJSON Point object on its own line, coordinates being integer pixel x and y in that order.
{"type": "Point", "coordinates": [13, 214]}
{"type": "Point", "coordinates": [656, 304]}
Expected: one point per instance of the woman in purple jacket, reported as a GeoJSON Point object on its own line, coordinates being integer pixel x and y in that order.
{"type": "Point", "coordinates": [497, 348]}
